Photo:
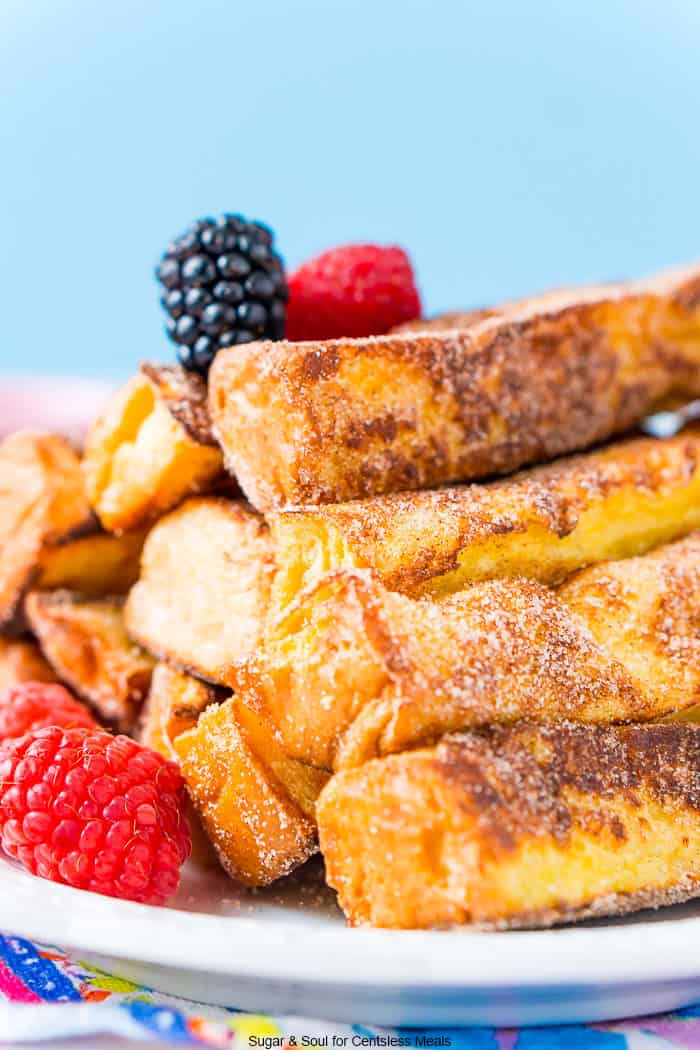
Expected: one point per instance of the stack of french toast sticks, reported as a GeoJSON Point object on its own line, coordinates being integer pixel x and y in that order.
{"type": "Point", "coordinates": [477, 700]}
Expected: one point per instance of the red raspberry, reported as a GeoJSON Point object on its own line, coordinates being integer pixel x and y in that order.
{"type": "Point", "coordinates": [35, 705]}
{"type": "Point", "coordinates": [353, 291]}
{"type": "Point", "coordinates": [98, 812]}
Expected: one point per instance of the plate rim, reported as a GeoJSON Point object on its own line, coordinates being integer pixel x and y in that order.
{"type": "Point", "coordinates": [240, 946]}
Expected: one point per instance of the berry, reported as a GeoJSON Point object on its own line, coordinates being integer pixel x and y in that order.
{"type": "Point", "coordinates": [173, 302]}
{"type": "Point", "coordinates": [224, 285]}
{"type": "Point", "coordinates": [196, 299]}
{"type": "Point", "coordinates": [94, 811]}
{"type": "Point", "coordinates": [35, 705]}
{"type": "Point", "coordinates": [357, 290]}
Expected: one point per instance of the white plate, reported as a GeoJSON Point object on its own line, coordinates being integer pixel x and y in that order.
{"type": "Point", "coordinates": [288, 951]}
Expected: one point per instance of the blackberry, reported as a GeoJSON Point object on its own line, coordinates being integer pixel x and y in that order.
{"type": "Point", "coordinates": [224, 284]}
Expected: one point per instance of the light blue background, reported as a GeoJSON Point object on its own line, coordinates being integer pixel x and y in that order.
{"type": "Point", "coordinates": [509, 145]}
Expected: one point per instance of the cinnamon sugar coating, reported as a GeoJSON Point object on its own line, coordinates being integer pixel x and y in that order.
{"type": "Point", "coordinates": [543, 523]}
{"type": "Point", "coordinates": [256, 804]}
{"type": "Point", "coordinates": [354, 671]}
{"type": "Point", "coordinates": [185, 396]}
{"type": "Point", "coordinates": [520, 826]}
{"type": "Point", "coordinates": [327, 422]}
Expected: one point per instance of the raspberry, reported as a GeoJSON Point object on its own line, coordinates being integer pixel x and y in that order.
{"type": "Point", "coordinates": [97, 812]}
{"type": "Point", "coordinates": [35, 705]}
{"type": "Point", "coordinates": [353, 291]}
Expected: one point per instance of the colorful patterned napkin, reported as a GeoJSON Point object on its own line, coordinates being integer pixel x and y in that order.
{"type": "Point", "coordinates": [46, 994]}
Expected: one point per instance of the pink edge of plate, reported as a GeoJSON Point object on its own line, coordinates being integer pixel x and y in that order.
{"type": "Point", "coordinates": [61, 404]}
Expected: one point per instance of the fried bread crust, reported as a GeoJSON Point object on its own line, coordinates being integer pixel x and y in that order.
{"type": "Point", "coordinates": [355, 671]}
{"type": "Point", "coordinates": [644, 612]}
{"type": "Point", "coordinates": [175, 702]}
{"type": "Point", "coordinates": [49, 536]}
{"type": "Point", "coordinates": [520, 826]}
{"type": "Point", "coordinates": [309, 423]}
{"type": "Point", "coordinates": [543, 523]}
{"type": "Point", "coordinates": [206, 573]}
{"type": "Point", "coordinates": [21, 661]}
{"type": "Point", "coordinates": [257, 804]}
{"type": "Point", "coordinates": [95, 564]}
{"type": "Point", "coordinates": [151, 447]}
{"type": "Point", "coordinates": [42, 503]}
{"type": "Point", "coordinates": [86, 643]}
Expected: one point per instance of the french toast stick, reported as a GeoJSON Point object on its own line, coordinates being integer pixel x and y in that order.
{"type": "Point", "coordinates": [354, 671]}
{"type": "Point", "coordinates": [519, 826]}
{"type": "Point", "coordinates": [86, 643]}
{"type": "Point", "coordinates": [257, 804]}
{"type": "Point", "coordinates": [151, 447]}
{"type": "Point", "coordinates": [42, 502]}
{"type": "Point", "coordinates": [309, 423]}
{"type": "Point", "coordinates": [21, 661]}
{"type": "Point", "coordinates": [174, 703]}
{"type": "Point", "coordinates": [645, 612]}
{"type": "Point", "coordinates": [95, 564]}
{"type": "Point", "coordinates": [543, 523]}
{"type": "Point", "coordinates": [49, 536]}
{"type": "Point", "coordinates": [203, 594]}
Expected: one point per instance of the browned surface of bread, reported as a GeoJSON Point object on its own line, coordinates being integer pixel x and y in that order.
{"type": "Point", "coordinates": [326, 422]}
{"type": "Point", "coordinates": [203, 594]}
{"type": "Point", "coordinates": [520, 826]}
{"type": "Point", "coordinates": [543, 523]}
{"type": "Point", "coordinates": [256, 804]}
{"type": "Point", "coordinates": [646, 613]}
{"type": "Point", "coordinates": [21, 661]}
{"type": "Point", "coordinates": [175, 702]}
{"type": "Point", "coordinates": [354, 671]}
{"type": "Point", "coordinates": [49, 536]}
{"type": "Point", "coordinates": [95, 564]}
{"type": "Point", "coordinates": [42, 503]}
{"type": "Point", "coordinates": [86, 643]}
{"type": "Point", "coordinates": [151, 447]}
{"type": "Point", "coordinates": [184, 394]}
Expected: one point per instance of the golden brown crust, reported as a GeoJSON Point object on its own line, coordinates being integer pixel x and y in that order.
{"type": "Point", "coordinates": [42, 504]}
{"type": "Point", "coordinates": [354, 671]}
{"type": "Point", "coordinates": [94, 563]}
{"type": "Point", "coordinates": [151, 447]}
{"type": "Point", "coordinates": [527, 825]}
{"type": "Point", "coordinates": [543, 523]}
{"type": "Point", "coordinates": [175, 702]}
{"type": "Point", "coordinates": [21, 661]}
{"type": "Point", "coordinates": [85, 642]}
{"type": "Point", "coordinates": [184, 394]}
{"type": "Point", "coordinates": [644, 612]}
{"type": "Point", "coordinates": [206, 574]}
{"type": "Point", "coordinates": [327, 422]}
{"type": "Point", "coordinates": [256, 804]}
